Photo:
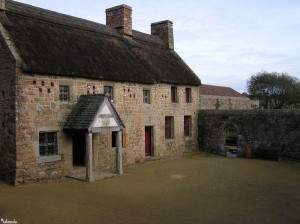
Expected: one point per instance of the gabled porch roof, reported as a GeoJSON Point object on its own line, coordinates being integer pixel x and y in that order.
{"type": "Point", "coordinates": [94, 113]}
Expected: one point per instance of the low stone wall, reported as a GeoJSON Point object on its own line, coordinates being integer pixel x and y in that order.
{"type": "Point", "coordinates": [255, 129]}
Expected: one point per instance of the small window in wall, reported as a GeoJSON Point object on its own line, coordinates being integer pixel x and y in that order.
{"type": "Point", "coordinates": [174, 94]}
{"type": "Point", "coordinates": [48, 144]}
{"type": "Point", "coordinates": [188, 95]}
{"type": "Point", "coordinates": [146, 96]}
{"type": "Point", "coordinates": [108, 91]}
{"type": "Point", "coordinates": [64, 93]}
{"type": "Point", "coordinates": [187, 125]}
{"type": "Point", "coordinates": [169, 127]}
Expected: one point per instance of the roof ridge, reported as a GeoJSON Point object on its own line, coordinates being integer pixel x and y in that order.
{"type": "Point", "coordinates": [51, 16]}
{"type": "Point", "coordinates": [58, 18]}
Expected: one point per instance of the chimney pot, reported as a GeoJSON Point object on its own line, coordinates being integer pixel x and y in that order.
{"type": "Point", "coordinates": [120, 18]}
{"type": "Point", "coordinates": [164, 30]}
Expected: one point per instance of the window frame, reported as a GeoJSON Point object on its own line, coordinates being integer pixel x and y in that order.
{"type": "Point", "coordinates": [146, 96]}
{"type": "Point", "coordinates": [169, 127]}
{"type": "Point", "coordinates": [174, 98]}
{"type": "Point", "coordinates": [47, 143]}
{"type": "Point", "coordinates": [187, 125]}
{"type": "Point", "coordinates": [188, 95]}
{"type": "Point", "coordinates": [63, 95]}
{"type": "Point", "coordinates": [109, 94]}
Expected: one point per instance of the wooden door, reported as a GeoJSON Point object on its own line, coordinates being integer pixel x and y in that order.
{"type": "Point", "coordinates": [148, 141]}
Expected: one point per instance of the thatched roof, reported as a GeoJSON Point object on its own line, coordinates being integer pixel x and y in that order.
{"type": "Point", "coordinates": [51, 43]}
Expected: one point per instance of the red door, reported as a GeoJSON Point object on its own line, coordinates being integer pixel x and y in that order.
{"type": "Point", "coordinates": [148, 141]}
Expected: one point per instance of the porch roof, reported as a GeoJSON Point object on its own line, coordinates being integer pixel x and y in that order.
{"type": "Point", "coordinates": [86, 109]}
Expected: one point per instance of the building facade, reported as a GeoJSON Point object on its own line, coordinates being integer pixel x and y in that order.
{"type": "Point", "coordinates": [224, 98]}
{"type": "Point", "coordinates": [143, 98]}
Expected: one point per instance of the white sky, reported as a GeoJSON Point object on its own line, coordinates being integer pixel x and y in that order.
{"type": "Point", "coordinates": [224, 42]}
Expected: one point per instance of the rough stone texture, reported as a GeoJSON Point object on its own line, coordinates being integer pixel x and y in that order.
{"type": "Point", "coordinates": [39, 109]}
{"type": "Point", "coordinates": [164, 30]}
{"type": "Point", "coordinates": [2, 4]}
{"type": "Point", "coordinates": [120, 17]}
{"type": "Point", "coordinates": [255, 128]}
{"type": "Point", "coordinates": [7, 113]}
{"type": "Point", "coordinates": [226, 103]}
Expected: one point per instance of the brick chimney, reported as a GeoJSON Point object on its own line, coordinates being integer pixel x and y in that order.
{"type": "Point", "coordinates": [120, 18]}
{"type": "Point", "coordinates": [2, 4]}
{"type": "Point", "coordinates": [164, 30]}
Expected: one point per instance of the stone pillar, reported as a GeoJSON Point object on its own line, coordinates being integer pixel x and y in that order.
{"type": "Point", "coordinates": [119, 162]}
{"type": "Point", "coordinates": [89, 157]}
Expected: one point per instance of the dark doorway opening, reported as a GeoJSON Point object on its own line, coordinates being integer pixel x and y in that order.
{"type": "Point", "coordinates": [231, 144]}
{"type": "Point", "coordinates": [79, 149]}
{"type": "Point", "coordinates": [148, 141]}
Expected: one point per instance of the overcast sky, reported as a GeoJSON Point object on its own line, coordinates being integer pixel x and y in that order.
{"type": "Point", "coordinates": [224, 42]}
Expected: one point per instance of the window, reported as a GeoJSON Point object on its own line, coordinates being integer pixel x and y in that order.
{"type": "Point", "coordinates": [169, 127]}
{"type": "Point", "coordinates": [146, 96]}
{"type": "Point", "coordinates": [174, 94]}
{"type": "Point", "coordinates": [188, 95]}
{"type": "Point", "coordinates": [108, 91]}
{"type": "Point", "coordinates": [64, 93]}
{"type": "Point", "coordinates": [48, 144]}
{"type": "Point", "coordinates": [187, 125]}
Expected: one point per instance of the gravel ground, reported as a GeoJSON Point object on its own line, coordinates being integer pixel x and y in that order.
{"type": "Point", "coordinates": [201, 188]}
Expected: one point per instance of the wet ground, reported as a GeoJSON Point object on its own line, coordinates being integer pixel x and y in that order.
{"type": "Point", "coordinates": [202, 188]}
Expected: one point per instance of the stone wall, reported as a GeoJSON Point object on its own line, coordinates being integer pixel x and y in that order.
{"type": "Point", "coordinates": [255, 128]}
{"type": "Point", "coordinates": [7, 113]}
{"type": "Point", "coordinates": [39, 109]}
{"type": "Point", "coordinates": [226, 103]}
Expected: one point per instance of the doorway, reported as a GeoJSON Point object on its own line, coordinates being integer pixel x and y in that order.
{"type": "Point", "coordinates": [148, 141]}
{"type": "Point", "coordinates": [79, 143]}
{"type": "Point", "coordinates": [231, 141]}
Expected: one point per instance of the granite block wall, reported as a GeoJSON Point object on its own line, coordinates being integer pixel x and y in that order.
{"type": "Point", "coordinates": [40, 110]}
{"type": "Point", "coordinates": [255, 128]}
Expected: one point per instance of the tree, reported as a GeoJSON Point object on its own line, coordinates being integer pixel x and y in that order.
{"type": "Point", "coordinates": [275, 90]}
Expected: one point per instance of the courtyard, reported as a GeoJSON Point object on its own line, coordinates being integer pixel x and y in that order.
{"type": "Point", "coordinates": [200, 188]}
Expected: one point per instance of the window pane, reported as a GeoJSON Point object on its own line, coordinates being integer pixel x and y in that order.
{"type": "Point", "coordinates": [169, 127]}
{"type": "Point", "coordinates": [174, 94]}
{"type": "Point", "coordinates": [108, 91]}
{"type": "Point", "coordinates": [64, 93]}
{"type": "Point", "coordinates": [188, 95]}
{"type": "Point", "coordinates": [146, 96]}
{"type": "Point", "coordinates": [48, 144]}
{"type": "Point", "coordinates": [187, 125]}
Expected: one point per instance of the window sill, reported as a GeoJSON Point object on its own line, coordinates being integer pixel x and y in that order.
{"type": "Point", "coordinates": [49, 159]}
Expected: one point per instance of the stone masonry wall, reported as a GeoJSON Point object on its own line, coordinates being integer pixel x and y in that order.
{"type": "Point", "coordinates": [226, 103]}
{"type": "Point", "coordinates": [255, 128]}
{"type": "Point", "coordinates": [39, 109]}
{"type": "Point", "coordinates": [7, 114]}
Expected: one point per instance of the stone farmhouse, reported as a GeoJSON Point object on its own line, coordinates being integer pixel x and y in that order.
{"type": "Point", "coordinates": [76, 94]}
